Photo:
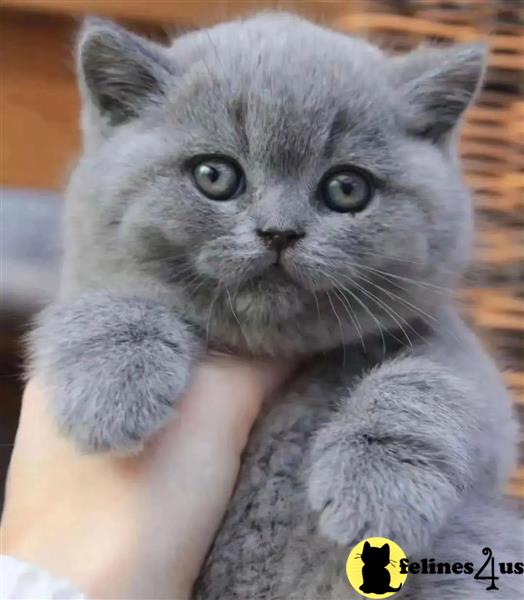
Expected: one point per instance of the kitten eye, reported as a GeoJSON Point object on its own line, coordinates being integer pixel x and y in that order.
{"type": "Point", "coordinates": [218, 178]}
{"type": "Point", "coordinates": [347, 190]}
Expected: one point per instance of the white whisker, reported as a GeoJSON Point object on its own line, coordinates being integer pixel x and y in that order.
{"type": "Point", "coordinates": [211, 306]}
{"type": "Point", "coordinates": [351, 313]}
{"type": "Point", "coordinates": [234, 313]}
{"type": "Point", "coordinates": [368, 310]}
{"type": "Point", "coordinates": [341, 330]}
{"type": "Point", "coordinates": [424, 316]}
{"type": "Point", "coordinates": [392, 313]}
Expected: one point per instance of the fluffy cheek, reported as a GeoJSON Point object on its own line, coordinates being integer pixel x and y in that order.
{"type": "Point", "coordinates": [392, 239]}
{"type": "Point", "coordinates": [450, 240]}
{"type": "Point", "coordinates": [441, 212]}
{"type": "Point", "coordinates": [344, 248]}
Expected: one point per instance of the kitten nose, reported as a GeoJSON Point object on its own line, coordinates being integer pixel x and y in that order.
{"type": "Point", "coordinates": [278, 240]}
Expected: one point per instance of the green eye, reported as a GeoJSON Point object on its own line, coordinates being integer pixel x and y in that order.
{"type": "Point", "coordinates": [218, 178]}
{"type": "Point", "coordinates": [347, 190]}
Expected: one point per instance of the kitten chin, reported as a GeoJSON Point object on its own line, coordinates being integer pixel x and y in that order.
{"type": "Point", "coordinates": [266, 301]}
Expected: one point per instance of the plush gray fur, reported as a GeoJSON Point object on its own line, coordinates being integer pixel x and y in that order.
{"type": "Point", "coordinates": [398, 424]}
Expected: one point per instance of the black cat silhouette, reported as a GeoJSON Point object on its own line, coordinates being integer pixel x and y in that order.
{"type": "Point", "coordinates": [374, 573]}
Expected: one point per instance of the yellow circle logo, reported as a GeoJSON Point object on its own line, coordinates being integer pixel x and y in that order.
{"type": "Point", "coordinates": [373, 568]}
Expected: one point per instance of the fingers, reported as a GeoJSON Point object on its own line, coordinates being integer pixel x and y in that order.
{"type": "Point", "coordinates": [198, 455]}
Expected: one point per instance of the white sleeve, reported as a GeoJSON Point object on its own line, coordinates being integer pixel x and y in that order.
{"type": "Point", "coordinates": [21, 581]}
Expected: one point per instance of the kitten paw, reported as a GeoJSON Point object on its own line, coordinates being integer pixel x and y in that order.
{"type": "Point", "coordinates": [113, 368]}
{"type": "Point", "coordinates": [361, 489]}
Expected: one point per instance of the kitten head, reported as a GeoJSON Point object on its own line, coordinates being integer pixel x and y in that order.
{"type": "Point", "coordinates": [292, 186]}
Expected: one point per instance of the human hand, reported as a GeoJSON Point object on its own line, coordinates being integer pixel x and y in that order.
{"type": "Point", "coordinates": [135, 526]}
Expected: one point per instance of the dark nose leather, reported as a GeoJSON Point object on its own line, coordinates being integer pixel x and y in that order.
{"type": "Point", "coordinates": [279, 240]}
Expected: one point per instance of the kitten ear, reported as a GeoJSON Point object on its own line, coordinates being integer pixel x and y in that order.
{"type": "Point", "coordinates": [437, 85]}
{"type": "Point", "coordinates": [119, 72]}
{"type": "Point", "coordinates": [367, 545]}
{"type": "Point", "coordinates": [385, 550]}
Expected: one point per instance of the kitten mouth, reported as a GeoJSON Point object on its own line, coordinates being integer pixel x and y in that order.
{"type": "Point", "coordinates": [274, 275]}
{"type": "Point", "coordinates": [276, 267]}
{"type": "Point", "coordinates": [277, 260]}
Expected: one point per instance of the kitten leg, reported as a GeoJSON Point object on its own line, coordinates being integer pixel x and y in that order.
{"type": "Point", "coordinates": [113, 367]}
{"type": "Point", "coordinates": [398, 455]}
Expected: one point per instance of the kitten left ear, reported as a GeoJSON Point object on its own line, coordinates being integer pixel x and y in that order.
{"type": "Point", "coordinates": [437, 85]}
{"type": "Point", "coordinates": [119, 73]}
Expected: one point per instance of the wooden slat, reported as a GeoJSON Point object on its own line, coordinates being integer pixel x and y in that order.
{"type": "Point", "coordinates": [398, 23]}
{"type": "Point", "coordinates": [516, 484]}
{"type": "Point", "coordinates": [500, 246]}
{"type": "Point", "coordinates": [515, 382]}
{"type": "Point", "coordinates": [505, 191]}
{"type": "Point", "coordinates": [494, 308]}
{"type": "Point", "coordinates": [179, 12]}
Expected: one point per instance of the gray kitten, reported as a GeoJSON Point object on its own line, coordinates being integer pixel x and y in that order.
{"type": "Point", "coordinates": [271, 187]}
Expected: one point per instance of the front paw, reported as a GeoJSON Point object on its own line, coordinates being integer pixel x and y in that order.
{"type": "Point", "coordinates": [113, 368]}
{"type": "Point", "coordinates": [362, 486]}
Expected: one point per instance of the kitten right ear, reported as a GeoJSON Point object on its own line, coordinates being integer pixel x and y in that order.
{"type": "Point", "coordinates": [437, 84]}
{"type": "Point", "coordinates": [119, 73]}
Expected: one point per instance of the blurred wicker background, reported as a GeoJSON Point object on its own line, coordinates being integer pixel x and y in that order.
{"type": "Point", "coordinates": [492, 144]}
